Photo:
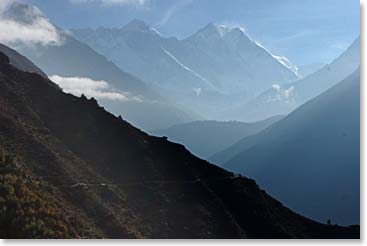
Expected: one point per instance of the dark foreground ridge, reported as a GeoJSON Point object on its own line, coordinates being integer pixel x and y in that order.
{"type": "Point", "coordinates": [69, 169]}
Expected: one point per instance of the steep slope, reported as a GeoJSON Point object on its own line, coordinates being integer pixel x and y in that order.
{"type": "Point", "coordinates": [70, 59]}
{"type": "Point", "coordinates": [331, 74]}
{"type": "Point", "coordinates": [20, 62]}
{"type": "Point", "coordinates": [205, 138]}
{"type": "Point", "coordinates": [307, 69]}
{"type": "Point", "coordinates": [206, 72]}
{"type": "Point", "coordinates": [310, 159]}
{"type": "Point", "coordinates": [232, 61]}
{"type": "Point", "coordinates": [282, 99]}
{"type": "Point", "coordinates": [140, 50]}
{"type": "Point", "coordinates": [30, 207]}
{"type": "Point", "coordinates": [124, 183]}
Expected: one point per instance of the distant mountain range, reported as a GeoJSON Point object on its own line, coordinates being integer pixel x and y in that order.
{"type": "Point", "coordinates": [205, 138]}
{"type": "Point", "coordinates": [74, 61]}
{"type": "Point", "coordinates": [310, 160]}
{"type": "Point", "coordinates": [73, 170]}
{"type": "Point", "coordinates": [74, 163]}
{"type": "Point", "coordinates": [282, 99]}
{"type": "Point", "coordinates": [216, 73]}
{"type": "Point", "coordinates": [209, 71]}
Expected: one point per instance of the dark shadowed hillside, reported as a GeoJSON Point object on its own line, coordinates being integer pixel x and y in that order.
{"type": "Point", "coordinates": [98, 176]}
{"type": "Point", "coordinates": [310, 160]}
{"type": "Point", "coordinates": [32, 208]}
{"type": "Point", "coordinates": [20, 62]}
{"type": "Point", "coordinates": [205, 138]}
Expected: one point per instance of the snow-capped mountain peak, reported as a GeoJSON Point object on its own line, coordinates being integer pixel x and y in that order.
{"type": "Point", "coordinates": [219, 30]}
{"type": "Point", "coordinates": [216, 61]}
{"type": "Point", "coordinates": [139, 26]}
{"type": "Point", "coordinates": [222, 29]}
{"type": "Point", "coordinates": [211, 31]}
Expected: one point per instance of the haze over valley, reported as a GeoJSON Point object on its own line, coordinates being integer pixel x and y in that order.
{"type": "Point", "coordinates": [179, 119]}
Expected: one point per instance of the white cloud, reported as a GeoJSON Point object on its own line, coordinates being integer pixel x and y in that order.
{"type": "Point", "coordinates": [136, 3]}
{"type": "Point", "coordinates": [98, 89]}
{"type": "Point", "coordinates": [4, 4]}
{"type": "Point", "coordinates": [286, 95]}
{"type": "Point", "coordinates": [197, 91]}
{"type": "Point", "coordinates": [39, 31]}
{"type": "Point", "coordinates": [276, 87]}
{"type": "Point", "coordinates": [42, 32]}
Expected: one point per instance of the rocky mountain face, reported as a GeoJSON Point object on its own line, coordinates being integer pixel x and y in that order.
{"type": "Point", "coordinates": [310, 160]}
{"type": "Point", "coordinates": [71, 169]}
{"type": "Point", "coordinates": [211, 70]}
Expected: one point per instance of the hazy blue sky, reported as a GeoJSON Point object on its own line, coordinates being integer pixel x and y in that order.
{"type": "Point", "coordinates": [305, 31]}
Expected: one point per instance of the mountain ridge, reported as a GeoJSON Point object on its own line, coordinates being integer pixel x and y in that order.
{"type": "Point", "coordinates": [205, 138]}
{"type": "Point", "coordinates": [93, 158]}
{"type": "Point", "coordinates": [216, 63]}
{"type": "Point", "coordinates": [283, 99]}
{"type": "Point", "coordinates": [328, 126]}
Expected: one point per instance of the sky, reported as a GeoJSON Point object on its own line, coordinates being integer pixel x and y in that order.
{"type": "Point", "coordinates": [305, 31]}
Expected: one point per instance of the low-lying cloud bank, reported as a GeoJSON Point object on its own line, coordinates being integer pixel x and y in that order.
{"type": "Point", "coordinates": [14, 30]}
{"type": "Point", "coordinates": [286, 95]}
{"type": "Point", "coordinates": [98, 89]}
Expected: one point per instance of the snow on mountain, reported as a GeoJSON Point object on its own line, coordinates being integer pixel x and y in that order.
{"type": "Point", "coordinates": [189, 69]}
{"type": "Point", "coordinates": [234, 61]}
{"type": "Point", "coordinates": [212, 69]}
{"type": "Point", "coordinates": [282, 60]}
{"type": "Point", "coordinates": [287, 63]}
{"type": "Point", "coordinates": [281, 99]}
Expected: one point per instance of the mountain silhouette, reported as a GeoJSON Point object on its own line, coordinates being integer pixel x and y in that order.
{"type": "Point", "coordinates": [283, 99]}
{"type": "Point", "coordinates": [205, 138]}
{"type": "Point", "coordinates": [71, 169]}
{"type": "Point", "coordinates": [309, 160]}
